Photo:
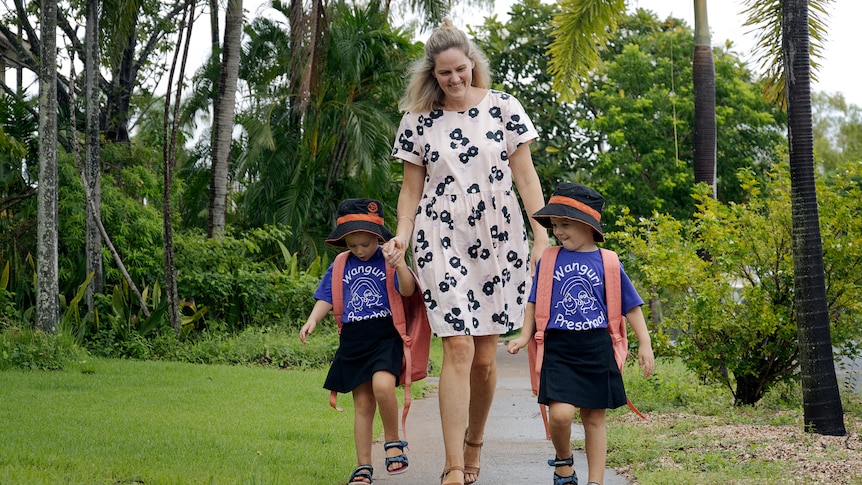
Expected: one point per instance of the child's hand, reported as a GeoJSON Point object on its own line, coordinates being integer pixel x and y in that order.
{"type": "Point", "coordinates": [646, 359]}
{"type": "Point", "coordinates": [517, 344]}
{"type": "Point", "coordinates": [394, 250]}
{"type": "Point", "coordinates": [306, 330]}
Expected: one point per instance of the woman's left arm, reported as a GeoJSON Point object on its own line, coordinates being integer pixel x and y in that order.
{"type": "Point", "coordinates": [530, 189]}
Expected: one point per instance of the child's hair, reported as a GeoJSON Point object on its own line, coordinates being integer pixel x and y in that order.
{"type": "Point", "coordinates": [423, 93]}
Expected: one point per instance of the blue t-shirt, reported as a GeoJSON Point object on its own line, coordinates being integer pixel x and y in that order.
{"type": "Point", "coordinates": [364, 289]}
{"type": "Point", "coordinates": [578, 295]}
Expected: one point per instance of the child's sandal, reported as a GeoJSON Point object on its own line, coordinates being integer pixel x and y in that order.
{"type": "Point", "coordinates": [361, 475]}
{"type": "Point", "coordinates": [569, 480]}
{"type": "Point", "coordinates": [402, 458]}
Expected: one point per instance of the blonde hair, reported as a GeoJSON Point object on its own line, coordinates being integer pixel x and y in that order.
{"type": "Point", "coordinates": [423, 93]}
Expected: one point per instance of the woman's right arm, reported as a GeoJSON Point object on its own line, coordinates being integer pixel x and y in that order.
{"type": "Point", "coordinates": [408, 201]}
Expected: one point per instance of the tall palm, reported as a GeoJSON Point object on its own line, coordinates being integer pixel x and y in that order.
{"type": "Point", "coordinates": [703, 73]}
{"type": "Point", "coordinates": [823, 411]}
{"type": "Point", "coordinates": [47, 297]}
{"type": "Point", "coordinates": [223, 106]}
{"type": "Point", "coordinates": [92, 159]}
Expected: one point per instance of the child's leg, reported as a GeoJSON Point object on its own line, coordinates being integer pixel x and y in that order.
{"type": "Point", "coordinates": [384, 394]}
{"type": "Point", "coordinates": [364, 407]}
{"type": "Point", "coordinates": [560, 416]}
{"type": "Point", "coordinates": [595, 442]}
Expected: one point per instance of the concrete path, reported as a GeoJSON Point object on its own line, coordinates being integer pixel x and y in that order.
{"type": "Point", "coordinates": [515, 450]}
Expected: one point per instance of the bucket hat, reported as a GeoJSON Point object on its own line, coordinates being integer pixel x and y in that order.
{"type": "Point", "coordinates": [358, 215]}
{"type": "Point", "coordinates": [576, 202]}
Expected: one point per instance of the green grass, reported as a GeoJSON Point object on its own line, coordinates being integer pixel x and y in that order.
{"type": "Point", "coordinates": [120, 421]}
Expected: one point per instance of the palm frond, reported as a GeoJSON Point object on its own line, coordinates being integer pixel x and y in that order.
{"type": "Point", "coordinates": [580, 28]}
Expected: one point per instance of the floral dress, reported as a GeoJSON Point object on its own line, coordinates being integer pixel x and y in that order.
{"type": "Point", "coordinates": [469, 243]}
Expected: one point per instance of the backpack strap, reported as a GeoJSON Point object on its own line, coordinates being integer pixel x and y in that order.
{"type": "Point", "coordinates": [536, 346]}
{"type": "Point", "coordinates": [616, 321]}
{"type": "Point", "coordinates": [399, 319]}
{"type": "Point", "coordinates": [338, 304]}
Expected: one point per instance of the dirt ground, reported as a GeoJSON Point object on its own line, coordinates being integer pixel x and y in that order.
{"type": "Point", "coordinates": [811, 457]}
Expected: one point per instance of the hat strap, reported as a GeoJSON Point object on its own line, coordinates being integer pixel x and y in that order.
{"type": "Point", "coordinates": [360, 217]}
{"type": "Point", "coordinates": [559, 199]}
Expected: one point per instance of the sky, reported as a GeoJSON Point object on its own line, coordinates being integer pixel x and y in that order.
{"type": "Point", "coordinates": [838, 72]}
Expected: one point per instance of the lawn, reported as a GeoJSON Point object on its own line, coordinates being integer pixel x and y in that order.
{"type": "Point", "coordinates": [121, 421]}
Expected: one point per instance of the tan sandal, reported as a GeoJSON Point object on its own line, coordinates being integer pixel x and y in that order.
{"type": "Point", "coordinates": [472, 469]}
{"type": "Point", "coordinates": [449, 470]}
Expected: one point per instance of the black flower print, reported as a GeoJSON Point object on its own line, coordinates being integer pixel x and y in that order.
{"type": "Point", "coordinates": [495, 135]}
{"type": "Point", "coordinates": [446, 242]}
{"type": "Point", "coordinates": [446, 218]}
{"type": "Point", "coordinates": [458, 138]}
{"type": "Point", "coordinates": [474, 303]}
{"type": "Point", "coordinates": [441, 187]}
{"type": "Point", "coordinates": [514, 259]}
{"type": "Point", "coordinates": [421, 242]}
{"type": "Point", "coordinates": [499, 235]}
{"type": "Point", "coordinates": [452, 319]}
{"type": "Point", "coordinates": [473, 189]}
{"type": "Point", "coordinates": [515, 125]}
{"type": "Point", "coordinates": [473, 112]}
{"type": "Point", "coordinates": [496, 113]}
{"type": "Point", "coordinates": [473, 250]}
{"type": "Point", "coordinates": [405, 141]}
{"type": "Point", "coordinates": [507, 215]}
{"type": "Point", "coordinates": [496, 174]}
{"type": "Point", "coordinates": [437, 113]}
{"type": "Point", "coordinates": [429, 302]}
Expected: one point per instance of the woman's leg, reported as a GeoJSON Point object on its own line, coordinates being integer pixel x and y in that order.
{"type": "Point", "coordinates": [384, 393]}
{"type": "Point", "coordinates": [483, 382]}
{"type": "Point", "coordinates": [595, 442]}
{"type": "Point", "coordinates": [364, 407]}
{"type": "Point", "coordinates": [560, 416]}
{"type": "Point", "coordinates": [453, 395]}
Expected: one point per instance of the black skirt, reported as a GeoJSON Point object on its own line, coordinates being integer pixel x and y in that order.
{"type": "Point", "coordinates": [578, 368]}
{"type": "Point", "coordinates": [365, 347]}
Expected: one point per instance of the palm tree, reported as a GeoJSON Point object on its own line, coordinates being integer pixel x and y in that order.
{"type": "Point", "coordinates": [92, 163]}
{"type": "Point", "coordinates": [223, 107]}
{"type": "Point", "coordinates": [47, 297]}
{"type": "Point", "coordinates": [823, 411]}
{"type": "Point", "coordinates": [703, 73]}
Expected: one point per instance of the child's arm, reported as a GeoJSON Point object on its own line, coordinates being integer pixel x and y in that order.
{"type": "Point", "coordinates": [406, 280]}
{"type": "Point", "coordinates": [526, 331]}
{"type": "Point", "coordinates": [646, 359]}
{"type": "Point", "coordinates": [321, 308]}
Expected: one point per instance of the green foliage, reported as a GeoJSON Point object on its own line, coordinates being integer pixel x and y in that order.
{"type": "Point", "coordinates": [32, 349]}
{"type": "Point", "coordinates": [724, 281]}
{"type": "Point", "coordinates": [630, 134]}
{"type": "Point", "coordinates": [303, 155]}
{"type": "Point", "coordinates": [239, 281]}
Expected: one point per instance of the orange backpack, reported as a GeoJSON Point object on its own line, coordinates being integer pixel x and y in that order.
{"type": "Point", "coordinates": [409, 317]}
{"type": "Point", "coordinates": [616, 320]}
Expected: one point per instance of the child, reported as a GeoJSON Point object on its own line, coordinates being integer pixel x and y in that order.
{"type": "Point", "coordinates": [369, 356]}
{"type": "Point", "coordinates": [578, 368]}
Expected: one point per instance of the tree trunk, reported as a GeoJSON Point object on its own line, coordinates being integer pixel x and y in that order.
{"type": "Point", "coordinates": [703, 74]}
{"type": "Point", "coordinates": [223, 120]}
{"type": "Point", "coordinates": [47, 296]}
{"type": "Point", "coordinates": [92, 164]}
{"type": "Point", "coordinates": [823, 413]}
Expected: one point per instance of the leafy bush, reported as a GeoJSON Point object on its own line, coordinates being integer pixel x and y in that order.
{"type": "Point", "coordinates": [724, 281]}
{"type": "Point", "coordinates": [29, 349]}
{"type": "Point", "coordinates": [267, 346]}
{"type": "Point", "coordinates": [239, 282]}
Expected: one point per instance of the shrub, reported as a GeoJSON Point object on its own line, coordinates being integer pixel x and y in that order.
{"type": "Point", "coordinates": [31, 349]}
{"type": "Point", "coordinates": [725, 279]}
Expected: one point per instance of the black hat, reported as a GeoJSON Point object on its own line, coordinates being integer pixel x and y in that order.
{"type": "Point", "coordinates": [576, 202]}
{"type": "Point", "coordinates": [358, 215]}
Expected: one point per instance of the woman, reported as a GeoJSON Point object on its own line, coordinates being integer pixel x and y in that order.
{"type": "Point", "coordinates": [463, 145]}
